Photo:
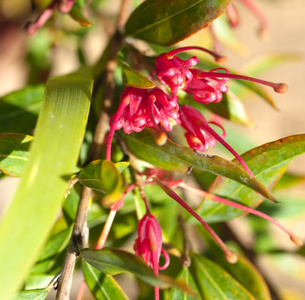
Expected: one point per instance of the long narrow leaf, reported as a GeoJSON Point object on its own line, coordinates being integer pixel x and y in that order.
{"type": "Point", "coordinates": [53, 156]}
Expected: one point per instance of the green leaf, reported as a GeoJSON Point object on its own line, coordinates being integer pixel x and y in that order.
{"type": "Point", "coordinates": [214, 283]}
{"type": "Point", "coordinates": [53, 156]}
{"type": "Point", "coordinates": [136, 79]}
{"type": "Point", "coordinates": [102, 176]}
{"type": "Point", "coordinates": [248, 276]}
{"type": "Point", "coordinates": [14, 153]}
{"type": "Point", "coordinates": [113, 261]}
{"type": "Point", "coordinates": [122, 165]}
{"type": "Point", "coordinates": [173, 157]}
{"type": "Point", "coordinates": [77, 13]}
{"type": "Point", "coordinates": [243, 271]}
{"type": "Point", "coordinates": [19, 109]}
{"type": "Point", "coordinates": [56, 244]}
{"type": "Point", "coordinates": [168, 22]}
{"type": "Point", "coordinates": [268, 163]}
{"type": "Point", "coordinates": [38, 294]}
{"type": "Point", "coordinates": [176, 294]}
{"type": "Point", "coordinates": [38, 281]}
{"type": "Point", "coordinates": [102, 286]}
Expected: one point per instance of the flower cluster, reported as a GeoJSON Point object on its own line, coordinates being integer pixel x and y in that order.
{"type": "Point", "coordinates": [140, 108]}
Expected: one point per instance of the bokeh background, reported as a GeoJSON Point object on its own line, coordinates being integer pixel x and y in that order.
{"type": "Point", "coordinates": [287, 38]}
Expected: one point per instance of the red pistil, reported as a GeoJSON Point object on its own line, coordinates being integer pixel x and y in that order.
{"type": "Point", "coordinates": [278, 87]}
{"type": "Point", "coordinates": [230, 256]}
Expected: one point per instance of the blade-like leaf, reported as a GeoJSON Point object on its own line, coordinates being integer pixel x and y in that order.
{"type": "Point", "coordinates": [136, 79]}
{"type": "Point", "coordinates": [268, 163]}
{"type": "Point", "coordinates": [113, 261]}
{"type": "Point", "coordinates": [176, 294]}
{"type": "Point", "coordinates": [102, 286]}
{"type": "Point", "coordinates": [215, 283]}
{"type": "Point", "coordinates": [19, 109]}
{"type": "Point", "coordinates": [173, 157]}
{"type": "Point", "coordinates": [243, 271]}
{"type": "Point", "coordinates": [168, 22]}
{"type": "Point", "coordinates": [53, 155]}
{"type": "Point", "coordinates": [14, 153]}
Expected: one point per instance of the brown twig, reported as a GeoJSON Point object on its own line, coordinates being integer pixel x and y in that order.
{"type": "Point", "coordinates": [80, 232]}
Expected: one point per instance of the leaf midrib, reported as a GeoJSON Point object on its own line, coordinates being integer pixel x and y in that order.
{"type": "Point", "coordinates": [165, 19]}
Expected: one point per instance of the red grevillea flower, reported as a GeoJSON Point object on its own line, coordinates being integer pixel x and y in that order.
{"type": "Point", "coordinates": [207, 89]}
{"type": "Point", "coordinates": [141, 108]}
{"type": "Point", "coordinates": [149, 244]}
{"type": "Point", "coordinates": [200, 135]}
{"type": "Point", "coordinates": [174, 71]}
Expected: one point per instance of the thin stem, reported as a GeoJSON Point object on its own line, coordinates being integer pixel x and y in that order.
{"type": "Point", "coordinates": [80, 232]}
{"type": "Point", "coordinates": [219, 58]}
{"type": "Point", "coordinates": [230, 256]}
{"type": "Point", "coordinates": [213, 133]}
{"type": "Point", "coordinates": [104, 235]}
{"type": "Point", "coordinates": [278, 87]}
{"type": "Point", "coordinates": [250, 210]}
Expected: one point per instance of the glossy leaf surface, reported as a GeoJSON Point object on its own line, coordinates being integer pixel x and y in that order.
{"type": "Point", "coordinates": [168, 22]}
{"type": "Point", "coordinates": [113, 261]}
{"type": "Point", "coordinates": [215, 283]}
{"type": "Point", "coordinates": [53, 156]}
{"type": "Point", "coordinates": [102, 286]}
{"type": "Point", "coordinates": [136, 79]}
{"type": "Point", "coordinates": [173, 157]}
{"type": "Point", "coordinates": [19, 109]}
{"type": "Point", "coordinates": [14, 153]}
{"type": "Point", "coordinates": [176, 294]}
{"type": "Point", "coordinates": [102, 176]}
{"type": "Point", "coordinates": [268, 163]}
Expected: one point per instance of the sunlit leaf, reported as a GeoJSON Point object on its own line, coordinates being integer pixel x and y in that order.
{"type": "Point", "coordinates": [39, 294]}
{"type": "Point", "coordinates": [215, 283]}
{"type": "Point", "coordinates": [14, 153]}
{"type": "Point", "coordinates": [268, 163]}
{"type": "Point", "coordinates": [168, 22]}
{"type": "Point", "coordinates": [102, 286]}
{"type": "Point", "coordinates": [103, 176]}
{"type": "Point", "coordinates": [173, 157]}
{"type": "Point", "coordinates": [53, 155]}
{"type": "Point", "coordinates": [176, 294]}
{"type": "Point", "coordinates": [113, 261]}
{"type": "Point", "coordinates": [38, 281]}
{"type": "Point", "coordinates": [136, 79]}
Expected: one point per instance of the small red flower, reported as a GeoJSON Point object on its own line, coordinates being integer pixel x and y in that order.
{"type": "Point", "coordinates": [174, 71]}
{"type": "Point", "coordinates": [200, 135]}
{"type": "Point", "coordinates": [149, 245]}
{"type": "Point", "coordinates": [207, 89]}
{"type": "Point", "coordinates": [141, 108]}
{"type": "Point", "coordinates": [196, 125]}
